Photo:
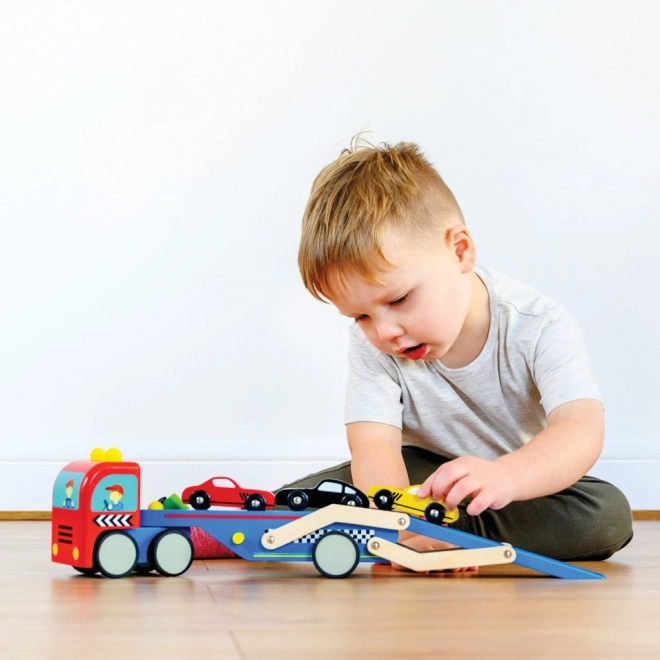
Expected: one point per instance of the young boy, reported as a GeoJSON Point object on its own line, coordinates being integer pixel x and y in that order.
{"type": "Point", "coordinates": [460, 378]}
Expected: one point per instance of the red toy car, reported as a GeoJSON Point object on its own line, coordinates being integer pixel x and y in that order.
{"type": "Point", "coordinates": [223, 491]}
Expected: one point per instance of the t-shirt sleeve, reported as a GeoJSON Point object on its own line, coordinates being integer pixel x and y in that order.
{"type": "Point", "coordinates": [373, 391]}
{"type": "Point", "coordinates": [562, 367]}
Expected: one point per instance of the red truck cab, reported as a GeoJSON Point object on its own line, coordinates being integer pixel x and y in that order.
{"type": "Point", "coordinates": [91, 498]}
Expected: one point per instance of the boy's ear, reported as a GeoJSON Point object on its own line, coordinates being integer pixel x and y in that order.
{"type": "Point", "coordinates": [463, 247]}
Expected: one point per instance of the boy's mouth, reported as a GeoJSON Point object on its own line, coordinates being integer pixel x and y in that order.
{"type": "Point", "coordinates": [416, 352]}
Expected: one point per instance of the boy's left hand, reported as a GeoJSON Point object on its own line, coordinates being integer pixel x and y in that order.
{"type": "Point", "coordinates": [487, 482]}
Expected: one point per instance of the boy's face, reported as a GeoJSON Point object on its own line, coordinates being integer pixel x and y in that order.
{"type": "Point", "coordinates": [425, 302]}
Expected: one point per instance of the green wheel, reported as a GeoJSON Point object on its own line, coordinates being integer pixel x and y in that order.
{"type": "Point", "coordinates": [336, 555]}
{"type": "Point", "coordinates": [116, 554]}
{"type": "Point", "coordinates": [171, 553]}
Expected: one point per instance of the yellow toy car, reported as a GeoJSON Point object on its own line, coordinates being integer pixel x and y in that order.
{"type": "Point", "coordinates": [406, 500]}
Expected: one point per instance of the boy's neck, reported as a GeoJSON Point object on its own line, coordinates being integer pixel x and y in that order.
{"type": "Point", "coordinates": [474, 333]}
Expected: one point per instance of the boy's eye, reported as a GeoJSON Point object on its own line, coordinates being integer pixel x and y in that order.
{"type": "Point", "coordinates": [398, 301]}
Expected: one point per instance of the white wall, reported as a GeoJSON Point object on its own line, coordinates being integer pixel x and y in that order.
{"type": "Point", "coordinates": [155, 159]}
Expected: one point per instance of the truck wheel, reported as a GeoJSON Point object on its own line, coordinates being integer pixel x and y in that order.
{"type": "Point", "coordinates": [435, 513]}
{"type": "Point", "coordinates": [116, 554]}
{"type": "Point", "coordinates": [171, 553]}
{"type": "Point", "coordinates": [255, 502]}
{"type": "Point", "coordinates": [336, 555]}
{"type": "Point", "coordinates": [200, 500]}
{"type": "Point", "coordinates": [297, 500]}
{"type": "Point", "coordinates": [384, 499]}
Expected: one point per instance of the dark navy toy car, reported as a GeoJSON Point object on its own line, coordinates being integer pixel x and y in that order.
{"type": "Point", "coordinates": [328, 491]}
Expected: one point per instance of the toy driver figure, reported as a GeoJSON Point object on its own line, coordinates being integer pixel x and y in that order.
{"type": "Point", "coordinates": [115, 497]}
{"type": "Point", "coordinates": [68, 489]}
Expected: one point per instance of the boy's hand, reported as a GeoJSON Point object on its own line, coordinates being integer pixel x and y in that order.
{"type": "Point", "coordinates": [426, 544]}
{"type": "Point", "coordinates": [487, 482]}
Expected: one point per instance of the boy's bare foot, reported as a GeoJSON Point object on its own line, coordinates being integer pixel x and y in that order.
{"type": "Point", "coordinates": [426, 544]}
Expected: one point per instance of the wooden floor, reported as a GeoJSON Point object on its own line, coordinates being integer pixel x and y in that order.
{"type": "Point", "coordinates": [233, 609]}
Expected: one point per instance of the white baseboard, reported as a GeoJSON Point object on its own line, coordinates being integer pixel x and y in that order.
{"type": "Point", "coordinates": [27, 485]}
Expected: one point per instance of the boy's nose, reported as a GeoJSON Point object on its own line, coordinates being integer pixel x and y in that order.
{"type": "Point", "coordinates": [388, 331]}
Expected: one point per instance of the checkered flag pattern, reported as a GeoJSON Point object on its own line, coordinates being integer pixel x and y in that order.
{"type": "Point", "coordinates": [359, 535]}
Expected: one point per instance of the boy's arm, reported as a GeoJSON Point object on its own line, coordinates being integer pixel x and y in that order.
{"type": "Point", "coordinates": [553, 460]}
{"type": "Point", "coordinates": [376, 455]}
{"type": "Point", "coordinates": [376, 459]}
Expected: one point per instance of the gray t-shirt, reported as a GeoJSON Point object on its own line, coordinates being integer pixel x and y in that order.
{"type": "Point", "coordinates": [534, 360]}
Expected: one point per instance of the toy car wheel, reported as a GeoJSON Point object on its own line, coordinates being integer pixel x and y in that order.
{"type": "Point", "coordinates": [255, 502]}
{"type": "Point", "coordinates": [384, 499]}
{"type": "Point", "coordinates": [336, 555]}
{"type": "Point", "coordinates": [171, 553]}
{"type": "Point", "coordinates": [435, 512]}
{"type": "Point", "coordinates": [351, 500]}
{"type": "Point", "coordinates": [297, 500]}
{"type": "Point", "coordinates": [116, 554]}
{"type": "Point", "coordinates": [200, 500]}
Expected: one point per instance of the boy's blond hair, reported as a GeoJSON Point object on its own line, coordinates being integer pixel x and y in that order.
{"type": "Point", "coordinates": [355, 199]}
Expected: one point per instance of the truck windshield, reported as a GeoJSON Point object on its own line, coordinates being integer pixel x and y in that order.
{"type": "Point", "coordinates": [117, 492]}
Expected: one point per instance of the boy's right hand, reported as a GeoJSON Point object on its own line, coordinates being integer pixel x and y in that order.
{"type": "Point", "coordinates": [426, 544]}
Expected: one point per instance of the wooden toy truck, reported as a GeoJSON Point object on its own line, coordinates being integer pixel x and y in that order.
{"type": "Point", "coordinates": [98, 527]}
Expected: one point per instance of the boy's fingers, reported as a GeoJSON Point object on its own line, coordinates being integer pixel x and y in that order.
{"type": "Point", "coordinates": [459, 492]}
{"type": "Point", "coordinates": [423, 490]}
{"type": "Point", "coordinates": [438, 483]}
{"type": "Point", "coordinates": [426, 487]}
{"type": "Point", "coordinates": [479, 504]}
{"type": "Point", "coordinates": [443, 480]}
{"type": "Point", "coordinates": [442, 484]}
{"type": "Point", "coordinates": [440, 491]}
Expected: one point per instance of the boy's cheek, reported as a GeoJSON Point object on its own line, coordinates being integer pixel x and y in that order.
{"type": "Point", "coordinates": [380, 345]}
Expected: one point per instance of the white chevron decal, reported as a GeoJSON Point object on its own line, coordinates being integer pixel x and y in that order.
{"type": "Point", "coordinates": [113, 520]}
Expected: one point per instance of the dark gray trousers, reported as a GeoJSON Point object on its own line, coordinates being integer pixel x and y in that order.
{"type": "Point", "coordinates": [590, 520]}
